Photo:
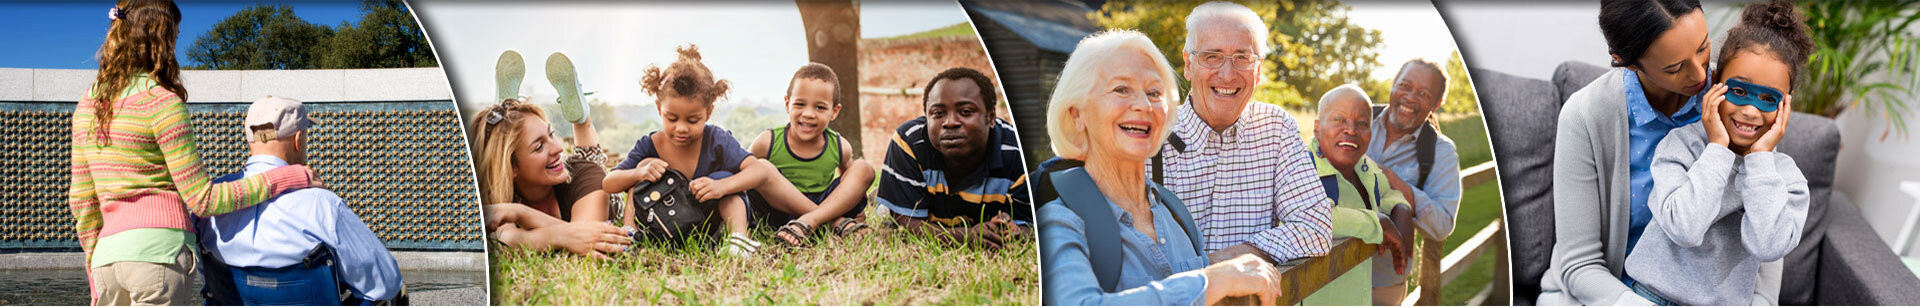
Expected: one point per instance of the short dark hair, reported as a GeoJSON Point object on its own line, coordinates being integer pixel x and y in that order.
{"type": "Point", "coordinates": [1430, 64]}
{"type": "Point", "coordinates": [1631, 26]}
{"type": "Point", "coordinates": [1777, 25]}
{"type": "Point", "coordinates": [816, 71]}
{"type": "Point", "coordinates": [987, 94]}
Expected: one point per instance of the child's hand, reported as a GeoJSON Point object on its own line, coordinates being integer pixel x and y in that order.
{"type": "Point", "coordinates": [706, 189]}
{"type": "Point", "coordinates": [1779, 129]}
{"type": "Point", "coordinates": [1710, 115]}
{"type": "Point", "coordinates": [650, 169]}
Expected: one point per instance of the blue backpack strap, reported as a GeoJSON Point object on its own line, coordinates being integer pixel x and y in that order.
{"type": "Point", "coordinates": [1180, 216]}
{"type": "Point", "coordinates": [1332, 184]}
{"type": "Point", "coordinates": [1102, 228]}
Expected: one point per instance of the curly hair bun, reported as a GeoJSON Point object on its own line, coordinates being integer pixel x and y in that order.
{"type": "Point", "coordinates": [1783, 18]}
{"type": "Point", "coordinates": [685, 77]}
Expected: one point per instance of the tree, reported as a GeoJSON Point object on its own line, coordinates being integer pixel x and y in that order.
{"type": "Point", "coordinates": [386, 37]}
{"type": "Point", "coordinates": [260, 37]}
{"type": "Point", "coordinates": [1315, 46]}
{"type": "Point", "coordinates": [833, 38]}
{"type": "Point", "coordinates": [271, 37]}
{"type": "Point", "coordinates": [1460, 95]}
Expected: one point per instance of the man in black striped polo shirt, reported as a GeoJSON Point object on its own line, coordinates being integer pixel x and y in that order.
{"type": "Point", "coordinates": [957, 170]}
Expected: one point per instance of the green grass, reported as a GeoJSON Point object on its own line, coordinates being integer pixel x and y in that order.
{"type": "Point", "coordinates": [958, 29]}
{"type": "Point", "coordinates": [887, 267]}
{"type": "Point", "coordinates": [1469, 135]}
{"type": "Point", "coordinates": [1478, 206]}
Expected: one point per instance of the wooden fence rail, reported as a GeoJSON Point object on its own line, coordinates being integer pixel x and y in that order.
{"type": "Point", "coordinates": [1303, 277]}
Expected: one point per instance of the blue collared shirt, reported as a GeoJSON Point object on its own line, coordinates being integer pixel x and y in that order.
{"type": "Point", "coordinates": [1645, 128]}
{"type": "Point", "coordinates": [1435, 204]}
{"type": "Point", "coordinates": [1158, 270]}
{"type": "Point", "coordinates": [281, 231]}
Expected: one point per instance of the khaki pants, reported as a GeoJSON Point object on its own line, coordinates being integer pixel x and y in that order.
{"type": "Point", "coordinates": [1390, 295]}
{"type": "Point", "coordinates": [145, 283]}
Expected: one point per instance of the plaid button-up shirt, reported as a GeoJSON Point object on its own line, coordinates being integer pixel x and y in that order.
{"type": "Point", "coordinates": [1252, 183]}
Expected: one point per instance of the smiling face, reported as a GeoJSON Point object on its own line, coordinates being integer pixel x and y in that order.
{"type": "Point", "coordinates": [1126, 115]}
{"type": "Point", "coordinates": [683, 121]}
{"type": "Point", "coordinates": [1343, 131]}
{"type": "Point", "coordinates": [809, 108]}
{"type": "Point", "coordinates": [1416, 93]}
{"type": "Point", "coordinates": [1745, 124]}
{"type": "Point", "coordinates": [1219, 94]}
{"type": "Point", "coordinates": [537, 156]}
{"type": "Point", "coordinates": [957, 120]}
{"type": "Point", "coordinates": [1676, 62]}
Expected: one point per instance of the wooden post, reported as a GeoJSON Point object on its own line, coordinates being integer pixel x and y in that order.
{"type": "Point", "coordinates": [1430, 283]}
{"type": "Point", "coordinates": [833, 38]}
{"type": "Point", "coordinates": [1502, 288]}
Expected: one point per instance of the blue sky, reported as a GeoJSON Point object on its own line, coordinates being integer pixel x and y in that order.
{"type": "Point", "coordinates": [755, 46]}
{"type": "Point", "coordinates": [66, 34]}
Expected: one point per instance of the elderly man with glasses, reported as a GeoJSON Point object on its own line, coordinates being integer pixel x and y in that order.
{"type": "Point", "coordinates": [1240, 165]}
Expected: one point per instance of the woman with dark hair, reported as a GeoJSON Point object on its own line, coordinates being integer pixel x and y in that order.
{"type": "Point", "coordinates": [136, 173]}
{"type": "Point", "coordinates": [1605, 143]}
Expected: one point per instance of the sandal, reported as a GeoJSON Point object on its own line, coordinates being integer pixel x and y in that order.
{"type": "Point", "coordinates": [739, 245]}
{"type": "Point", "coordinates": [847, 227]}
{"type": "Point", "coordinates": [794, 233]}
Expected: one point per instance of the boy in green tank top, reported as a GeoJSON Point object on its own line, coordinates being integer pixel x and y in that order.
{"type": "Point", "coordinates": [815, 161]}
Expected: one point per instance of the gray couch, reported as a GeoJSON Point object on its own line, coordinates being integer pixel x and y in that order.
{"type": "Point", "coordinates": [1840, 260]}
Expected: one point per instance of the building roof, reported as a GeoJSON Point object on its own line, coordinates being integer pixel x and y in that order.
{"type": "Point", "coordinates": [1054, 26]}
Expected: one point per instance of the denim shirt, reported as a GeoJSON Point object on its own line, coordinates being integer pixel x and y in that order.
{"type": "Point", "coordinates": [1161, 270]}
{"type": "Point", "coordinates": [1646, 127]}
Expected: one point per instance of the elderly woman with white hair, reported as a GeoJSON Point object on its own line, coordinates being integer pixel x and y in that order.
{"type": "Point", "coordinates": [1113, 237]}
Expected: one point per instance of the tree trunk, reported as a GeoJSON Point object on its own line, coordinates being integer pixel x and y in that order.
{"type": "Point", "coordinates": [833, 38]}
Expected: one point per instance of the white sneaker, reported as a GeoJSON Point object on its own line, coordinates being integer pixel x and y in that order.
{"type": "Point", "coordinates": [507, 73]}
{"type": "Point", "coordinates": [739, 245]}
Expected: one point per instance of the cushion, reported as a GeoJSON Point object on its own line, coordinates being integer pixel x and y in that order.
{"type": "Point", "coordinates": [1813, 142]}
{"type": "Point", "coordinates": [1521, 114]}
{"type": "Point", "coordinates": [1571, 76]}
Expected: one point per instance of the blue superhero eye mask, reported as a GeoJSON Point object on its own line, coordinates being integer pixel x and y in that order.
{"type": "Point", "coordinates": [1760, 97]}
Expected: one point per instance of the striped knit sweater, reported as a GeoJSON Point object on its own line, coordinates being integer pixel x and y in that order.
{"type": "Point", "coordinates": [147, 173]}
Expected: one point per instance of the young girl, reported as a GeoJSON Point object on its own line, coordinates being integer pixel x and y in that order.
{"type": "Point", "coordinates": [1723, 201]}
{"type": "Point", "coordinates": [137, 172]}
{"type": "Point", "coordinates": [537, 198]}
{"type": "Point", "coordinates": [685, 92]}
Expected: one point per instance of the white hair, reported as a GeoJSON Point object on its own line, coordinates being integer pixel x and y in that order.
{"type": "Point", "coordinates": [1214, 12]}
{"type": "Point", "coordinates": [1078, 82]}
{"type": "Point", "coordinates": [1343, 90]}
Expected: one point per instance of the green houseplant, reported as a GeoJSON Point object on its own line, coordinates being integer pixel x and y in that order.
{"type": "Point", "coordinates": [1865, 52]}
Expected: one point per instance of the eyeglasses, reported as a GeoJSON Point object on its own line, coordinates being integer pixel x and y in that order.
{"type": "Point", "coordinates": [1214, 59]}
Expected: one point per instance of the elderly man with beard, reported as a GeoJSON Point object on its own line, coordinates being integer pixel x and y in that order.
{"type": "Point", "coordinates": [1240, 165]}
{"type": "Point", "coordinates": [1421, 163]}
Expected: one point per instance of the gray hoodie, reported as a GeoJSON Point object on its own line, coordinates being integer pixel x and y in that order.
{"type": "Point", "coordinates": [1716, 217]}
